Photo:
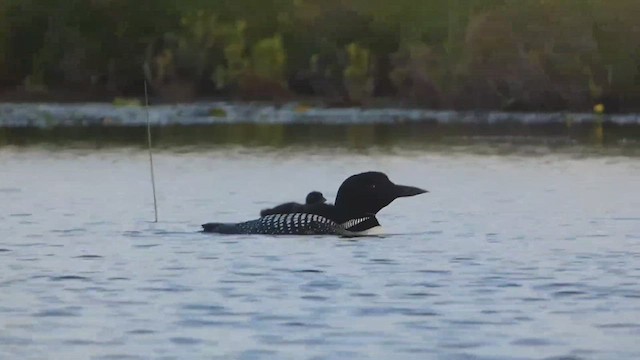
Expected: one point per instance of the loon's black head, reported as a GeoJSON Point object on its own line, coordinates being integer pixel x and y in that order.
{"type": "Point", "coordinates": [368, 192]}
{"type": "Point", "coordinates": [315, 197]}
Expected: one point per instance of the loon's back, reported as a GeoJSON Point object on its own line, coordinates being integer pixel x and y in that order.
{"type": "Point", "coordinates": [280, 224]}
{"type": "Point", "coordinates": [294, 224]}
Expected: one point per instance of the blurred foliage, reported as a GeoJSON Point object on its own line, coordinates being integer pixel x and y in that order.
{"type": "Point", "coordinates": [513, 55]}
{"type": "Point", "coordinates": [357, 79]}
{"type": "Point", "coordinates": [418, 74]}
{"type": "Point", "coordinates": [268, 59]}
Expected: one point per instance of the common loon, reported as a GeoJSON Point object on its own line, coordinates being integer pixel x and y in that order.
{"type": "Point", "coordinates": [359, 199]}
{"type": "Point", "coordinates": [314, 197]}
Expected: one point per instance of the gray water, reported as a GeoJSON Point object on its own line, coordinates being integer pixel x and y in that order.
{"type": "Point", "coordinates": [508, 257]}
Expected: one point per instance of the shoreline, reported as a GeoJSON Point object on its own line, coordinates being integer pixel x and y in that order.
{"type": "Point", "coordinates": [45, 115]}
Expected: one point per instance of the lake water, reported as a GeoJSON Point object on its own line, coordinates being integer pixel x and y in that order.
{"type": "Point", "coordinates": [525, 255]}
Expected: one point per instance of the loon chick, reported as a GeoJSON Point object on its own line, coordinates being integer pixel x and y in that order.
{"type": "Point", "coordinates": [359, 199]}
{"type": "Point", "coordinates": [314, 197]}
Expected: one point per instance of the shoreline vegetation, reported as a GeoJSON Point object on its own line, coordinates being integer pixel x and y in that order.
{"type": "Point", "coordinates": [499, 55]}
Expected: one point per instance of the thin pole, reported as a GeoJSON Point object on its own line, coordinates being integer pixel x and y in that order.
{"type": "Point", "coordinates": [153, 179]}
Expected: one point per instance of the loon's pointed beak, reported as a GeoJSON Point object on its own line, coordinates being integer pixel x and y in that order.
{"type": "Point", "coordinates": [404, 191]}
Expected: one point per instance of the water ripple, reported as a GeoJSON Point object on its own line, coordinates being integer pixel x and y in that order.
{"type": "Point", "coordinates": [88, 257]}
{"type": "Point", "coordinates": [70, 311]}
{"type": "Point", "coordinates": [69, 278]}
{"type": "Point", "coordinates": [185, 341]}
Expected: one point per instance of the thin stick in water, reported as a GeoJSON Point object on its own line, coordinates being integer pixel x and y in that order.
{"type": "Point", "coordinates": [153, 180]}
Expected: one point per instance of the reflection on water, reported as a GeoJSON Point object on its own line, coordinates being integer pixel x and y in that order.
{"type": "Point", "coordinates": [507, 257]}
{"type": "Point", "coordinates": [619, 138]}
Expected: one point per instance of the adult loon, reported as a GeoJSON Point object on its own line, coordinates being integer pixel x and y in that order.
{"type": "Point", "coordinates": [359, 199]}
{"type": "Point", "coordinates": [314, 197]}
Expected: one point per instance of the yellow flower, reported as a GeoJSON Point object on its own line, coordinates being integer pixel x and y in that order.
{"type": "Point", "coordinates": [598, 108]}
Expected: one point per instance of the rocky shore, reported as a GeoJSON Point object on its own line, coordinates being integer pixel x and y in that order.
{"type": "Point", "coordinates": [47, 115]}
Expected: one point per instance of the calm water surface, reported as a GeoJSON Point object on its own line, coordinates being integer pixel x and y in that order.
{"type": "Point", "coordinates": [508, 257]}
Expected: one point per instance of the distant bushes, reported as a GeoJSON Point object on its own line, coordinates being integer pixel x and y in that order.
{"type": "Point", "coordinates": [511, 55]}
